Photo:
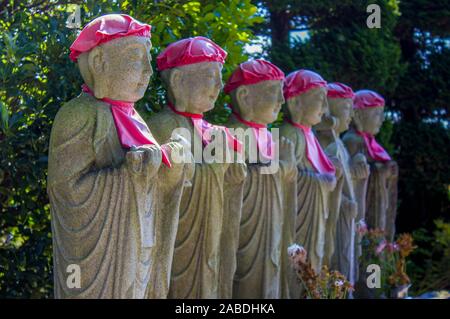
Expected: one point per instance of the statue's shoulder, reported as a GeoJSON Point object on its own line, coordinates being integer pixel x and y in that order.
{"type": "Point", "coordinates": [350, 137]}
{"type": "Point", "coordinates": [161, 118]}
{"type": "Point", "coordinates": [162, 124]}
{"type": "Point", "coordinates": [332, 148]}
{"type": "Point", "coordinates": [75, 114]}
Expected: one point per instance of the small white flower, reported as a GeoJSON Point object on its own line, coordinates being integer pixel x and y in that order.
{"type": "Point", "coordinates": [294, 249]}
{"type": "Point", "coordinates": [338, 283]}
{"type": "Point", "coordinates": [297, 255]}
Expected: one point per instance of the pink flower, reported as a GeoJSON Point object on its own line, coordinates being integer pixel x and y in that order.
{"type": "Point", "coordinates": [380, 247]}
{"type": "Point", "coordinates": [361, 227]}
{"type": "Point", "coordinates": [391, 247]}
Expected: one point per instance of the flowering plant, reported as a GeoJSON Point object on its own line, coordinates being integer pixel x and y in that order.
{"type": "Point", "coordinates": [325, 285]}
{"type": "Point", "coordinates": [390, 256]}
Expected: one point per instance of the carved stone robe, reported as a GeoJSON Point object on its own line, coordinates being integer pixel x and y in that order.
{"type": "Point", "coordinates": [103, 214]}
{"type": "Point", "coordinates": [381, 200]}
{"type": "Point", "coordinates": [312, 201]}
{"type": "Point", "coordinates": [206, 240]}
{"type": "Point", "coordinates": [342, 256]}
{"type": "Point", "coordinates": [266, 229]}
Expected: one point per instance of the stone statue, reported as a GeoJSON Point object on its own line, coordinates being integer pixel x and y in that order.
{"type": "Point", "coordinates": [306, 101]}
{"type": "Point", "coordinates": [340, 236]}
{"type": "Point", "coordinates": [268, 212]}
{"type": "Point", "coordinates": [206, 242]}
{"type": "Point", "coordinates": [381, 200]}
{"type": "Point", "coordinates": [104, 177]}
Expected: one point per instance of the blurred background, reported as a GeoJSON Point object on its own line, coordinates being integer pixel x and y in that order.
{"type": "Point", "coordinates": [407, 60]}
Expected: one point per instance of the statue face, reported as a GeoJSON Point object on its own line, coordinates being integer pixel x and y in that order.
{"type": "Point", "coordinates": [370, 119]}
{"type": "Point", "coordinates": [195, 87]}
{"type": "Point", "coordinates": [309, 107]}
{"type": "Point", "coordinates": [260, 102]}
{"type": "Point", "coordinates": [121, 68]}
{"type": "Point", "coordinates": [341, 110]}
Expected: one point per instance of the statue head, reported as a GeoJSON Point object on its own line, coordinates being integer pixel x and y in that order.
{"type": "Point", "coordinates": [256, 90]}
{"type": "Point", "coordinates": [306, 97]}
{"type": "Point", "coordinates": [113, 55]}
{"type": "Point", "coordinates": [340, 104]}
{"type": "Point", "coordinates": [368, 109]}
{"type": "Point", "coordinates": [191, 70]}
{"type": "Point", "coordinates": [193, 88]}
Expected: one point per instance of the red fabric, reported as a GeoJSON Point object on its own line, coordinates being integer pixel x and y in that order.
{"type": "Point", "coordinates": [252, 72]}
{"type": "Point", "coordinates": [314, 153]}
{"type": "Point", "coordinates": [301, 81]}
{"type": "Point", "coordinates": [107, 28]}
{"type": "Point", "coordinates": [190, 51]}
{"type": "Point", "coordinates": [131, 128]}
{"type": "Point", "coordinates": [339, 91]}
{"type": "Point", "coordinates": [365, 98]}
{"type": "Point", "coordinates": [375, 150]}
{"type": "Point", "coordinates": [262, 135]}
{"type": "Point", "coordinates": [203, 128]}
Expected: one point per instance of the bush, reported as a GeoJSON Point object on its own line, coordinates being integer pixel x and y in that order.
{"type": "Point", "coordinates": [430, 265]}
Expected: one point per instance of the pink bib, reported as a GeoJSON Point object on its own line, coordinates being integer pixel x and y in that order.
{"type": "Point", "coordinates": [131, 128]}
{"type": "Point", "coordinates": [375, 150]}
{"type": "Point", "coordinates": [203, 128]}
{"type": "Point", "coordinates": [314, 153]}
{"type": "Point", "coordinates": [262, 135]}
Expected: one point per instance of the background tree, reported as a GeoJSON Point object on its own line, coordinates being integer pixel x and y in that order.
{"type": "Point", "coordinates": [407, 60]}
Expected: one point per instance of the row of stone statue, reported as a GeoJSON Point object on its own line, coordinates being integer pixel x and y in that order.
{"type": "Point", "coordinates": [139, 224]}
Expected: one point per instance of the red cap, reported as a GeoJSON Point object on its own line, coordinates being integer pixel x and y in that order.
{"type": "Point", "coordinates": [104, 29]}
{"type": "Point", "coordinates": [301, 81]}
{"type": "Point", "coordinates": [366, 98]}
{"type": "Point", "coordinates": [252, 72]}
{"type": "Point", "coordinates": [190, 51]}
{"type": "Point", "coordinates": [339, 91]}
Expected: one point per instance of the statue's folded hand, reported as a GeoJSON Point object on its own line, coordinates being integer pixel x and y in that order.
{"type": "Point", "coordinates": [393, 169]}
{"type": "Point", "coordinates": [359, 167]}
{"type": "Point", "coordinates": [287, 156]}
{"type": "Point", "coordinates": [144, 160]}
{"type": "Point", "coordinates": [180, 153]}
{"type": "Point", "coordinates": [360, 170]}
{"type": "Point", "coordinates": [181, 160]}
{"type": "Point", "coordinates": [384, 168]}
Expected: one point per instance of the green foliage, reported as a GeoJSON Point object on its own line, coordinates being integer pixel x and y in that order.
{"type": "Point", "coordinates": [424, 172]}
{"type": "Point", "coordinates": [345, 50]}
{"type": "Point", "coordinates": [385, 137]}
{"type": "Point", "coordinates": [37, 77]}
{"type": "Point", "coordinates": [430, 266]}
{"type": "Point", "coordinates": [407, 60]}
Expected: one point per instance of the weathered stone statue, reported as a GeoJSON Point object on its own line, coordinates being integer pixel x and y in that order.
{"type": "Point", "coordinates": [381, 200]}
{"type": "Point", "coordinates": [105, 184]}
{"type": "Point", "coordinates": [206, 241]}
{"type": "Point", "coordinates": [306, 101]}
{"type": "Point", "coordinates": [268, 212]}
{"type": "Point", "coordinates": [340, 236]}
